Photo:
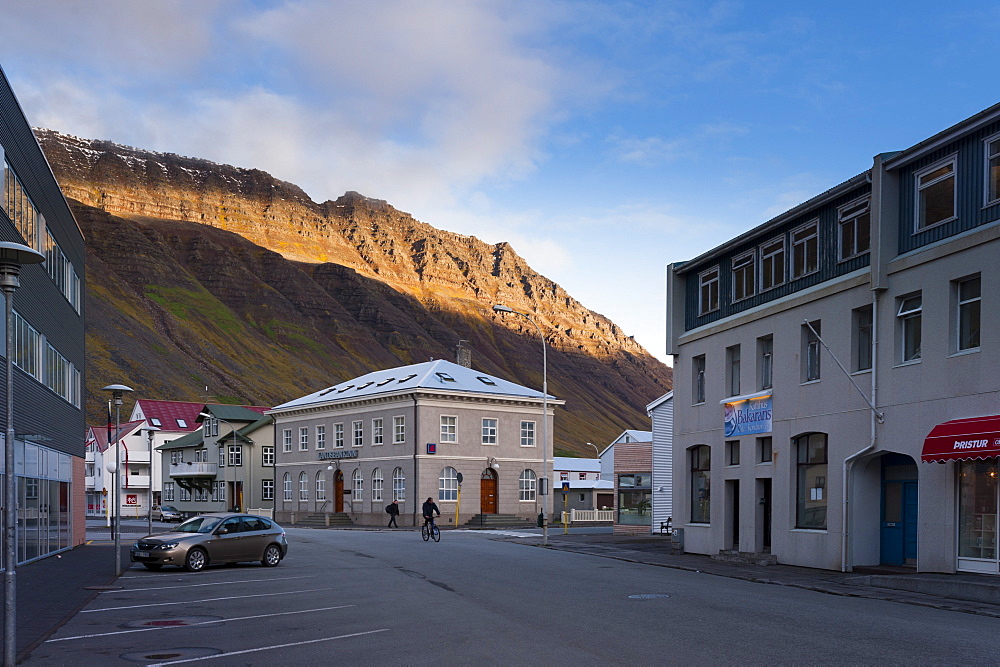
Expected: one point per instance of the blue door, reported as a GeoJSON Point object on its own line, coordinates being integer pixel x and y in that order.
{"type": "Point", "coordinates": [899, 511]}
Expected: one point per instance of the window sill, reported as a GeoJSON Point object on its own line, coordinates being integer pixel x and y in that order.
{"type": "Point", "coordinates": [962, 353]}
{"type": "Point", "coordinates": [911, 362]}
{"type": "Point", "coordinates": [814, 531]}
{"type": "Point", "coordinates": [863, 371]}
{"type": "Point", "coordinates": [697, 404]}
{"type": "Point", "coordinates": [808, 382]}
{"type": "Point", "coordinates": [921, 230]}
{"type": "Point", "coordinates": [764, 463]}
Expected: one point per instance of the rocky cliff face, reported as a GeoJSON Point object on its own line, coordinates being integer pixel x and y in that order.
{"type": "Point", "coordinates": [203, 274]}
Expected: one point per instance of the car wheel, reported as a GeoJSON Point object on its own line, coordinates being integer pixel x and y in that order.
{"type": "Point", "coordinates": [272, 556]}
{"type": "Point", "coordinates": [152, 566]}
{"type": "Point", "coordinates": [196, 560]}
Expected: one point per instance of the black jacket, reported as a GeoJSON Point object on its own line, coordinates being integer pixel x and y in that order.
{"type": "Point", "coordinates": [430, 508]}
{"type": "Point", "coordinates": [392, 508]}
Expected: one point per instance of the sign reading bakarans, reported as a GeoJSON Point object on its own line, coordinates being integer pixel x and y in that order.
{"type": "Point", "coordinates": [346, 454]}
{"type": "Point", "coordinates": [747, 416]}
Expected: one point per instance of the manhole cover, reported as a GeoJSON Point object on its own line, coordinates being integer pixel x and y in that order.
{"type": "Point", "coordinates": [185, 653]}
{"type": "Point", "coordinates": [648, 596]}
{"type": "Point", "coordinates": [174, 622]}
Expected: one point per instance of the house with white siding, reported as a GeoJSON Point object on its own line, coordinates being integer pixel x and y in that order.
{"type": "Point", "coordinates": [661, 412]}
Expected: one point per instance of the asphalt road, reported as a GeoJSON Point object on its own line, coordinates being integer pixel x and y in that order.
{"type": "Point", "coordinates": [387, 597]}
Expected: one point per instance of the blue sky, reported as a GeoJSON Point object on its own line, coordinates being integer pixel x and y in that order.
{"type": "Point", "coordinates": [604, 140]}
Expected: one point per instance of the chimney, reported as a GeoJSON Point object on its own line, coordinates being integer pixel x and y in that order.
{"type": "Point", "coordinates": [464, 354]}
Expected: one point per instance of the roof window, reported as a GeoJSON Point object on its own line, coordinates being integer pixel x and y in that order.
{"type": "Point", "coordinates": [156, 422]}
{"type": "Point", "coordinates": [384, 382]}
{"type": "Point", "coordinates": [408, 377]}
{"type": "Point", "coordinates": [486, 380]}
{"type": "Point", "coordinates": [445, 377]}
{"type": "Point", "coordinates": [182, 423]}
{"type": "Point", "coordinates": [327, 391]}
{"type": "Point", "coordinates": [341, 391]}
{"type": "Point", "coordinates": [366, 384]}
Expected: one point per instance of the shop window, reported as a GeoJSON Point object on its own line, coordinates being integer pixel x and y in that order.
{"type": "Point", "coordinates": [701, 483]}
{"type": "Point", "coordinates": [811, 481]}
{"type": "Point", "coordinates": [635, 499]}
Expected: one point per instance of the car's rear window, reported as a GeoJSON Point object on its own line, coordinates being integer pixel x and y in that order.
{"type": "Point", "coordinates": [199, 524]}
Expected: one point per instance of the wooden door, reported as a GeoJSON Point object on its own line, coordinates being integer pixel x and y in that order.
{"type": "Point", "coordinates": [338, 491]}
{"type": "Point", "coordinates": [488, 492]}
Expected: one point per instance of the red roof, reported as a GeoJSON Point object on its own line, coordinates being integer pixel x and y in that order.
{"type": "Point", "coordinates": [99, 434]}
{"type": "Point", "coordinates": [167, 413]}
{"type": "Point", "coordinates": [958, 439]}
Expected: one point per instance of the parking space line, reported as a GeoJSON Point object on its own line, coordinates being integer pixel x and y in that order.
{"type": "Point", "coordinates": [270, 648]}
{"type": "Point", "coordinates": [232, 597]}
{"type": "Point", "coordinates": [216, 583]}
{"type": "Point", "coordinates": [194, 625]}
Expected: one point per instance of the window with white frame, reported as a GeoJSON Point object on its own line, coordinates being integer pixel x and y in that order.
{"type": "Point", "coordinates": [398, 485]}
{"type": "Point", "coordinates": [935, 194]}
{"type": "Point", "coordinates": [303, 486]}
{"type": "Point", "coordinates": [357, 486]}
{"type": "Point", "coordinates": [855, 228]}
{"type": "Point", "coordinates": [320, 486]}
{"type": "Point", "coordinates": [993, 170]}
{"type": "Point", "coordinates": [267, 454]}
{"type": "Point", "coordinates": [698, 378]}
{"type": "Point", "coordinates": [286, 442]}
{"type": "Point", "coordinates": [27, 353]}
{"type": "Point", "coordinates": [805, 249]}
{"type": "Point", "coordinates": [185, 495]}
{"type": "Point", "coordinates": [377, 431]}
{"type": "Point", "coordinates": [267, 489]}
{"type": "Point", "coordinates": [526, 485]}
{"type": "Point", "coordinates": [448, 484]}
{"type": "Point", "coordinates": [527, 434]}
{"type": "Point", "coordinates": [359, 433]}
{"type": "Point", "coordinates": [908, 323]}
{"type": "Point", "coordinates": [176, 456]}
{"type": "Point", "coordinates": [217, 489]}
{"type": "Point", "coordinates": [235, 455]}
{"type": "Point", "coordinates": [377, 485]}
{"type": "Point", "coordinates": [303, 438]}
{"type": "Point", "coordinates": [811, 351]}
{"type": "Point", "coordinates": [449, 427]}
{"type": "Point", "coordinates": [765, 362]}
{"type": "Point", "coordinates": [168, 491]}
{"type": "Point", "coordinates": [772, 264]}
{"type": "Point", "coordinates": [489, 431]}
{"type": "Point", "coordinates": [969, 297]}
{"type": "Point", "coordinates": [708, 291]}
{"type": "Point", "coordinates": [861, 338]}
{"type": "Point", "coordinates": [398, 430]}
{"type": "Point", "coordinates": [320, 437]}
{"type": "Point", "coordinates": [744, 276]}
{"type": "Point", "coordinates": [338, 436]}
{"type": "Point", "coordinates": [733, 370]}
{"type": "Point", "coordinates": [287, 485]}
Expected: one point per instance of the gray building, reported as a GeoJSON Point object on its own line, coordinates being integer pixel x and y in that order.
{"type": "Point", "coordinates": [820, 356]}
{"type": "Point", "coordinates": [49, 344]}
{"type": "Point", "coordinates": [434, 429]}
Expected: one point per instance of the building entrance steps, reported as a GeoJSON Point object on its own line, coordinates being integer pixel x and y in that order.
{"type": "Point", "coordinates": [323, 520]}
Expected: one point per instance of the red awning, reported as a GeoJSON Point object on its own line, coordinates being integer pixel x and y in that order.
{"type": "Point", "coordinates": [974, 438]}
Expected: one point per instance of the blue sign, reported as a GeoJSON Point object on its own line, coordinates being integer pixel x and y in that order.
{"type": "Point", "coordinates": [748, 416]}
{"type": "Point", "coordinates": [432, 448]}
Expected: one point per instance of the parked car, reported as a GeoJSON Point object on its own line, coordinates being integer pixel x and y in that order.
{"type": "Point", "coordinates": [214, 538]}
{"type": "Point", "coordinates": [169, 513]}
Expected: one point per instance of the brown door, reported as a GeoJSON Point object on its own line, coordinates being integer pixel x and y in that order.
{"type": "Point", "coordinates": [338, 491]}
{"type": "Point", "coordinates": [488, 493]}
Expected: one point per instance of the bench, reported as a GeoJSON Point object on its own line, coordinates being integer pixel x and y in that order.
{"type": "Point", "coordinates": [666, 527]}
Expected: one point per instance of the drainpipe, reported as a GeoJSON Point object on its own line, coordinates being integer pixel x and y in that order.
{"type": "Point", "coordinates": [876, 418]}
{"type": "Point", "coordinates": [416, 476]}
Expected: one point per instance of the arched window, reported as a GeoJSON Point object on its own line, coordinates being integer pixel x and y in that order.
{"type": "Point", "coordinates": [701, 483]}
{"type": "Point", "coordinates": [811, 496]}
{"type": "Point", "coordinates": [377, 485]}
{"type": "Point", "coordinates": [287, 483]}
{"type": "Point", "coordinates": [448, 484]}
{"type": "Point", "coordinates": [357, 486]}
{"type": "Point", "coordinates": [303, 486]}
{"type": "Point", "coordinates": [526, 484]}
{"type": "Point", "coordinates": [320, 486]}
{"type": "Point", "coordinates": [398, 485]}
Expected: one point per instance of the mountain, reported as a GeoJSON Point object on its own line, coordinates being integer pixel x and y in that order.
{"type": "Point", "coordinates": [218, 283]}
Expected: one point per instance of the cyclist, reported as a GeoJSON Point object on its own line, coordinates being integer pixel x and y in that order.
{"type": "Point", "coordinates": [428, 509]}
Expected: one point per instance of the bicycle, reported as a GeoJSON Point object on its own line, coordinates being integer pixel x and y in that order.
{"type": "Point", "coordinates": [427, 532]}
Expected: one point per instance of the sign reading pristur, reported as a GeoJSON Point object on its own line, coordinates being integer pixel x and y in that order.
{"type": "Point", "coordinates": [970, 444]}
{"type": "Point", "coordinates": [748, 416]}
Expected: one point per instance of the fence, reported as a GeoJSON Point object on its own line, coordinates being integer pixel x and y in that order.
{"type": "Point", "coordinates": [589, 516]}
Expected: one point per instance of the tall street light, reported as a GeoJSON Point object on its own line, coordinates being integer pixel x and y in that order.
{"type": "Point", "coordinates": [544, 483]}
{"type": "Point", "coordinates": [117, 390]}
{"type": "Point", "coordinates": [149, 519]}
{"type": "Point", "coordinates": [12, 257]}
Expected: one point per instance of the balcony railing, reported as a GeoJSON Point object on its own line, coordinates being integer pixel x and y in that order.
{"type": "Point", "coordinates": [136, 481]}
{"type": "Point", "coordinates": [89, 457]}
{"type": "Point", "coordinates": [193, 469]}
{"type": "Point", "coordinates": [138, 457]}
{"type": "Point", "coordinates": [89, 481]}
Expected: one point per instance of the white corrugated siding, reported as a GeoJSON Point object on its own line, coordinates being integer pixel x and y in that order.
{"type": "Point", "coordinates": [663, 452]}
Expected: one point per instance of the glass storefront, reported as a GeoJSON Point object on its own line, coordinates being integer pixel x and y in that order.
{"type": "Point", "coordinates": [43, 500]}
{"type": "Point", "coordinates": [635, 499]}
{"type": "Point", "coordinates": [977, 516]}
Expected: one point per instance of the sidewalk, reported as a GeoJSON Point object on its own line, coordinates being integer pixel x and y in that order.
{"type": "Point", "coordinates": [967, 593]}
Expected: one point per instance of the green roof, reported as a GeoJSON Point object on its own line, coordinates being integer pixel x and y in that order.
{"type": "Point", "coordinates": [232, 413]}
{"type": "Point", "coordinates": [191, 439]}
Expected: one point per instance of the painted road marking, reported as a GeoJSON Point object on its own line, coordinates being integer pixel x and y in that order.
{"type": "Point", "coordinates": [233, 597]}
{"type": "Point", "coordinates": [270, 648]}
{"type": "Point", "coordinates": [217, 583]}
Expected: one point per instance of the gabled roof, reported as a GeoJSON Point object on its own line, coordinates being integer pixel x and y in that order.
{"type": "Point", "coordinates": [187, 440]}
{"type": "Point", "coordinates": [572, 464]}
{"type": "Point", "coordinates": [659, 401]}
{"type": "Point", "coordinates": [437, 375]}
{"type": "Point", "coordinates": [634, 436]}
{"type": "Point", "coordinates": [232, 413]}
{"type": "Point", "coordinates": [178, 415]}
{"type": "Point", "coordinates": [99, 434]}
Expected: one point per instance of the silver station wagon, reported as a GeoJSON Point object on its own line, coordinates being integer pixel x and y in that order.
{"type": "Point", "coordinates": [212, 539]}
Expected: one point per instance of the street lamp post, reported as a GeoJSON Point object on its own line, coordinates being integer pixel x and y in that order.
{"type": "Point", "coordinates": [150, 430]}
{"type": "Point", "coordinates": [116, 396]}
{"type": "Point", "coordinates": [12, 257]}
{"type": "Point", "coordinates": [544, 483]}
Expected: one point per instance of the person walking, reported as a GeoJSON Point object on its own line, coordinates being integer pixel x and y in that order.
{"type": "Point", "coordinates": [393, 510]}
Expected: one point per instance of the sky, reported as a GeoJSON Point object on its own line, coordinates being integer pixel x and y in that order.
{"type": "Point", "coordinates": [603, 140]}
